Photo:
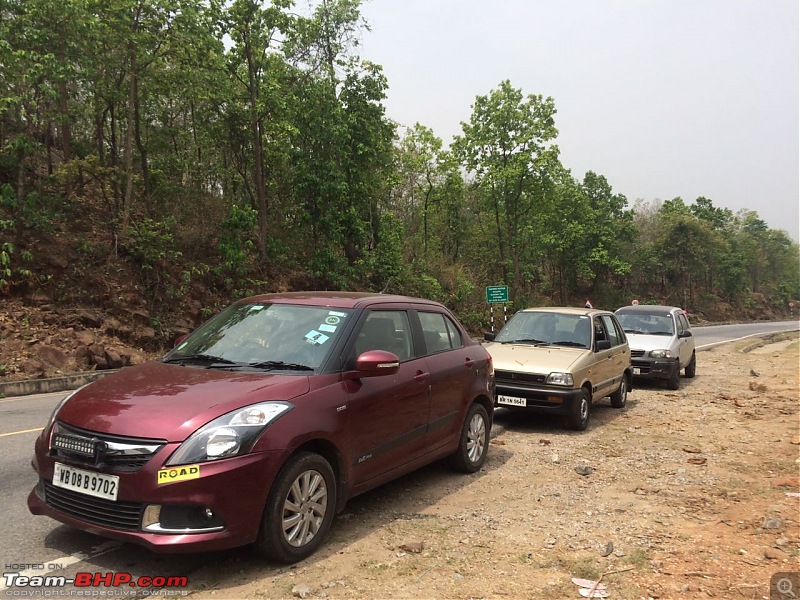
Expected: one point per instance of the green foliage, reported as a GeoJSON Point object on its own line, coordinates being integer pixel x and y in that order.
{"type": "Point", "coordinates": [235, 244]}
{"type": "Point", "coordinates": [152, 245]}
{"type": "Point", "coordinates": [255, 142]}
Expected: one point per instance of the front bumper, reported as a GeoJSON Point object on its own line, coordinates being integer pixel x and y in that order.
{"type": "Point", "coordinates": [539, 398]}
{"type": "Point", "coordinates": [234, 490]}
{"type": "Point", "coordinates": [653, 368]}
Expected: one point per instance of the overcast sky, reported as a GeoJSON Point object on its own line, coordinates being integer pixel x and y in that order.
{"type": "Point", "coordinates": [664, 98]}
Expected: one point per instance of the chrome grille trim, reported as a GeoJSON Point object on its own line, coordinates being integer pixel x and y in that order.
{"type": "Point", "coordinates": [90, 448]}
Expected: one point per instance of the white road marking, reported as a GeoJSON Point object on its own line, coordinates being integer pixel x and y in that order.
{"type": "Point", "coordinates": [57, 564]}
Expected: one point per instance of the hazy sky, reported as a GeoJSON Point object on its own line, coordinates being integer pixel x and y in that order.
{"type": "Point", "coordinates": [664, 98]}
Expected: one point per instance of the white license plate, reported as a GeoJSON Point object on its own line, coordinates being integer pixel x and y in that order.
{"type": "Point", "coordinates": [86, 482]}
{"type": "Point", "coordinates": [637, 371]}
{"type": "Point", "coordinates": [511, 400]}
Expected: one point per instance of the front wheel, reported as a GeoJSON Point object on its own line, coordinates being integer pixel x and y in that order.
{"type": "Point", "coordinates": [474, 441]}
{"type": "Point", "coordinates": [674, 382]}
{"type": "Point", "coordinates": [620, 398]}
{"type": "Point", "coordinates": [299, 509]}
{"type": "Point", "coordinates": [691, 368]}
{"type": "Point", "coordinates": [578, 418]}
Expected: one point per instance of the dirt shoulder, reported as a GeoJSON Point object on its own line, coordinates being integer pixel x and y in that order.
{"type": "Point", "coordinates": [691, 494]}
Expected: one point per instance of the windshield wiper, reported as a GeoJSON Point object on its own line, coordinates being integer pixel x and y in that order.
{"type": "Point", "coordinates": [279, 365]}
{"type": "Point", "coordinates": [571, 344]}
{"type": "Point", "coordinates": [202, 357]}
{"type": "Point", "coordinates": [533, 341]}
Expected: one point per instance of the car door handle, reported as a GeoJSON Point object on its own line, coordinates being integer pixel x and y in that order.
{"type": "Point", "coordinates": [469, 363]}
{"type": "Point", "coordinates": [421, 377]}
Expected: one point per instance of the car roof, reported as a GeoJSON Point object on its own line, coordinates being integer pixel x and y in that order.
{"type": "Point", "coordinates": [568, 310]}
{"type": "Point", "coordinates": [337, 299]}
{"type": "Point", "coordinates": [649, 309]}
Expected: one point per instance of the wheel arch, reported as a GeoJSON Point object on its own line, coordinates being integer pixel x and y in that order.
{"type": "Point", "coordinates": [328, 450]}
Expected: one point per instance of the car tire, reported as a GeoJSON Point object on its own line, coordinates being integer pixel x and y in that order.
{"type": "Point", "coordinates": [299, 509]}
{"type": "Point", "coordinates": [691, 368]}
{"type": "Point", "coordinates": [474, 441]}
{"type": "Point", "coordinates": [578, 418]}
{"type": "Point", "coordinates": [620, 398]}
{"type": "Point", "coordinates": [674, 382]}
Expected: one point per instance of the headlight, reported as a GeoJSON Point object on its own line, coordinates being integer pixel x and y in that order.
{"type": "Point", "coordinates": [231, 434]}
{"type": "Point", "coordinates": [560, 379]}
{"type": "Point", "coordinates": [54, 414]}
{"type": "Point", "coordinates": [661, 353]}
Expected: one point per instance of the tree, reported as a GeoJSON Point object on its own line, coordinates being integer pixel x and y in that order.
{"type": "Point", "coordinates": [506, 147]}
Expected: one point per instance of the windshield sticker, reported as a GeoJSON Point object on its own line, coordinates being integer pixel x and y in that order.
{"type": "Point", "coordinates": [256, 308]}
{"type": "Point", "coordinates": [315, 337]}
{"type": "Point", "coordinates": [327, 328]}
{"type": "Point", "coordinates": [182, 345]}
{"type": "Point", "coordinates": [337, 314]}
{"type": "Point", "coordinates": [332, 320]}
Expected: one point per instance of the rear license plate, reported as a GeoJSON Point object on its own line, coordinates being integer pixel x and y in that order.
{"type": "Point", "coordinates": [86, 482]}
{"type": "Point", "coordinates": [511, 400]}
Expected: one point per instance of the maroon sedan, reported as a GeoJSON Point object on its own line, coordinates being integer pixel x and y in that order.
{"type": "Point", "coordinates": [260, 425]}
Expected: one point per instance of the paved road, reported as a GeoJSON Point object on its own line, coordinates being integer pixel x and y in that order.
{"type": "Point", "coordinates": [29, 540]}
{"type": "Point", "coordinates": [713, 335]}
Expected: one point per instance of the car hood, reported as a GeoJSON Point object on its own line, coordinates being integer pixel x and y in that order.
{"type": "Point", "coordinates": [649, 342]}
{"type": "Point", "coordinates": [170, 402]}
{"type": "Point", "coordinates": [533, 359]}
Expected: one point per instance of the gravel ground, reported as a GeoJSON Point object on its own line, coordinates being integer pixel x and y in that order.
{"type": "Point", "coordinates": [684, 494]}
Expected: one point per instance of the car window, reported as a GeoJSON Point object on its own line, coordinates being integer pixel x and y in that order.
{"type": "Point", "coordinates": [599, 330]}
{"type": "Point", "coordinates": [455, 334]}
{"type": "Point", "coordinates": [250, 334]}
{"type": "Point", "coordinates": [385, 330]}
{"type": "Point", "coordinates": [529, 327]}
{"type": "Point", "coordinates": [613, 335]}
{"type": "Point", "coordinates": [684, 323]}
{"type": "Point", "coordinates": [436, 332]}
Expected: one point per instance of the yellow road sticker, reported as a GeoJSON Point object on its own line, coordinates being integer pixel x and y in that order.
{"type": "Point", "coordinates": [178, 474]}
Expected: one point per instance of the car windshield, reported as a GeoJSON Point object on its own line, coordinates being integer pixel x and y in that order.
{"type": "Point", "coordinates": [263, 336]}
{"type": "Point", "coordinates": [646, 324]}
{"type": "Point", "coordinates": [547, 328]}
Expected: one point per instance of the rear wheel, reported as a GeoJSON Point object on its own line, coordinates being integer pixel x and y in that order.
{"type": "Point", "coordinates": [299, 509]}
{"type": "Point", "coordinates": [578, 418]}
{"type": "Point", "coordinates": [620, 398]}
{"type": "Point", "coordinates": [691, 368]}
{"type": "Point", "coordinates": [474, 442]}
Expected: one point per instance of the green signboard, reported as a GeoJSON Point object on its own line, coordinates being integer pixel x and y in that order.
{"type": "Point", "coordinates": [496, 293]}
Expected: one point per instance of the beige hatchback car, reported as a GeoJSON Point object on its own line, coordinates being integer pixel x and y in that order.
{"type": "Point", "coordinates": [561, 360]}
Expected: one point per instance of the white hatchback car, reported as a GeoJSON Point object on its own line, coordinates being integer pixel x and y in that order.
{"type": "Point", "coordinates": [661, 342]}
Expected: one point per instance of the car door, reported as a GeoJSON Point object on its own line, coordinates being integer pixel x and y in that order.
{"type": "Point", "coordinates": [620, 356]}
{"type": "Point", "coordinates": [388, 415]}
{"type": "Point", "coordinates": [685, 339]}
{"type": "Point", "coordinates": [452, 367]}
{"type": "Point", "coordinates": [608, 365]}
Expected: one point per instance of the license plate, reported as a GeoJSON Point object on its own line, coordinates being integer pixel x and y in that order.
{"type": "Point", "coordinates": [511, 400]}
{"type": "Point", "coordinates": [637, 371]}
{"type": "Point", "coordinates": [86, 482]}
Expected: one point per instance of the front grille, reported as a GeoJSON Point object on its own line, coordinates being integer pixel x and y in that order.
{"type": "Point", "coordinates": [514, 377]}
{"type": "Point", "coordinates": [637, 353]}
{"type": "Point", "coordinates": [124, 516]}
{"type": "Point", "coordinates": [89, 448]}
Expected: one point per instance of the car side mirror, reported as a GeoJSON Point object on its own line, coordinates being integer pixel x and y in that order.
{"type": "Point", "coordinates": [685, 334]}
{"type": "Point", "coordinates": [602, 345]}
{"type": "Point", "coordinates": [374, 363]}
{"type": "Point", "coordinates": [489, 337]}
